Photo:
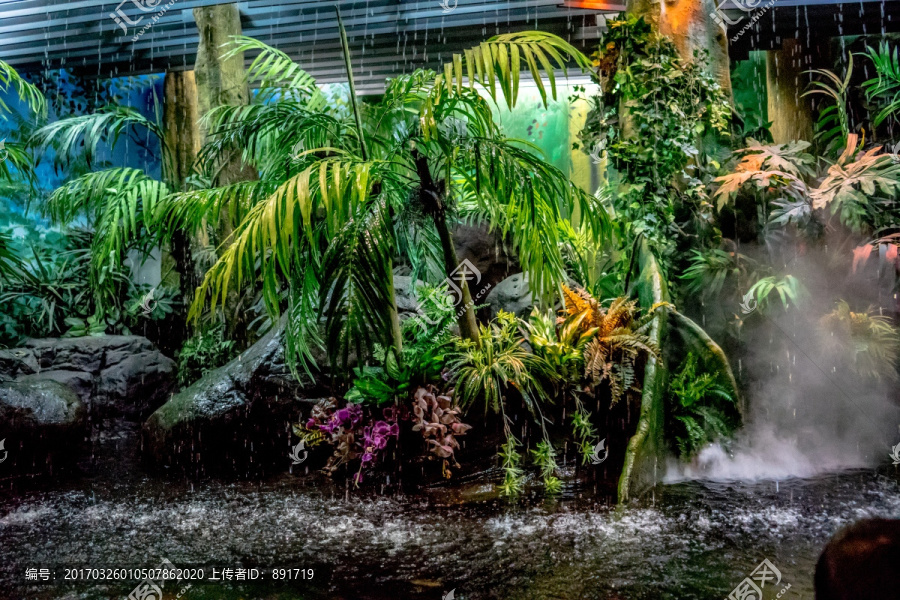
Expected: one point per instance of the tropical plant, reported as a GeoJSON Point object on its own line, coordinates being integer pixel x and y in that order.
{"type": "Point", "coordinates": [560, 346]}
{"type": "Point", "coordinates": [585, 434]}
{"type": "Point", "coordinates": [859, 188]}
{"type": "Point", "coordinates": [617, 339]}
{"type": "Point", "coordinates": [119, 203]}
{"type": "Point", "coordinates": [654, 109]}
{"type": "Point", "coordinates": [833, 123]}
{"type": "Point", "coordinates": [701, 410]}
{"type": "Point", "coordinates": [205, 350]}
{"type": "Point", "coordinates": [884, 88]}
{"type": "Point", "coordinates": [869, 344]}
{"type": "Point", "coordinates": [789, 289]}
{"type": "Point", "coordinates": [10, 263]}
{"type": "Point", "coordinates": [438, 419]}
{"type": "Point", "coordinates": [49, 294]}
{"type": "Point", "coordinates": [709, 269]}
{"type": "Point", "coordinates": [513, 474]}
{"type": "Point", "coordinates": [487, 371]}
{"type": "Point", "coordinates": [16, 162]}
{"type": "Point", "coordinates": [325, 224]}
{"type": "Point", "coordinates": [544, 456]}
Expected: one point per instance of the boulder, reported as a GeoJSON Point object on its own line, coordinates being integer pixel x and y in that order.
{"type": "Point", "coordinates": [235, 420]}
{"type": "Point", "coordinates": [41, 423]}
{"type": "Point", "coordinates": [487, 252]}
{"type": "Point", "coordinates": [15, 362]}
{"type": "Point", "coordinates": [405, 296]}
{"type": "Point", "coordinates": [114, 375]}
{"type": "Point", "coordinates": [512, 295]}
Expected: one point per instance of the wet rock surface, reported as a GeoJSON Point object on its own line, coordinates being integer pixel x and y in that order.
{"type": "Point", "coordinates": [42, 424]}
{"type": "Point", "coordinates": [235, 420]}
{"type": "Point", "coordinates": [113, 375]}
{"type": "Point", "coordinates": [487, 252]}
{"type": "Point", "coordinates": [511, 295]}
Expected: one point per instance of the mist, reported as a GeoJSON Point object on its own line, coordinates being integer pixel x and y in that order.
{"type": "Point", "coordinates": [807, 412]}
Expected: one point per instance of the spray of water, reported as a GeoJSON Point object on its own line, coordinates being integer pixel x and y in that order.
{"type": "Point", "coordinates": [808, 413]}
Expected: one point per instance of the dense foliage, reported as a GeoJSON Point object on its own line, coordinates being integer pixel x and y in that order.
{"type": "Point", "coordinates": [345, 195]}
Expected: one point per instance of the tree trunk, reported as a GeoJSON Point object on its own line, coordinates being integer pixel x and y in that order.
{"type": "Point", "coordinates": [223, 82]}
{"type": "Point", "coordinates": [180, 116]}
{"type": "Point", "coordinates": [789, 112]}
{"type": "Point", "coordinates": [691, 28]}
{"type": "Point", "coordinates": [431, 195]}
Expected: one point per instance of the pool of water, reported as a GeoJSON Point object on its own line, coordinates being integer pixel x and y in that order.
{"type": "Point", "coordinates": [687, 540]}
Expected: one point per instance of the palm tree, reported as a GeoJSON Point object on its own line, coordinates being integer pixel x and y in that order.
{"type": "Point", "coordinates": [341, 196]}
{"type": "Point", "coordinates": [14, 157]}
{"type": "Point", "coordinates": [118, 202]}
{"type": "Point", "coordinates": [15, 161]}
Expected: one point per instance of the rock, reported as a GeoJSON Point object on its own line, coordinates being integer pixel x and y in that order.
{"type": "Point", "coordinates": [15, 362]}
{"type": "Point", "coordinates": [235, 420]}
{"type": "Point", "coordinates": [114, 375]}
{"type": "Point", "coordinates": [512, 295]}
{"type": "Point", "coordinates": [80, 382]}
{"type": "Point", "coordinates": [135, 386]}
{"type": "Point", "coordinates": [405, 295]}
{"type": "Point", "coordinates": [42, 422]}
{"type": "Point", "coordinates": [487, 252]}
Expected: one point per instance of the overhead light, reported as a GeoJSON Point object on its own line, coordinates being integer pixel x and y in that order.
{"type": "Point", "coordinates": [594, 5]}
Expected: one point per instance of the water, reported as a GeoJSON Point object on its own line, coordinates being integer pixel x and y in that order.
{"type": "Point", "coordinates": [689, 540]}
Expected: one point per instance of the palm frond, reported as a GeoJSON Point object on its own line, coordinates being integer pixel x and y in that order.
{"type": "Point", "coordinates": [525, 197]}
{"type": "Point", "coordinates": [500, 60]}
{"type": "Point", "coordinates": [355, 275]}
{"type": "Point", "coordinates": [885, 87]}
{"type": "Point", "coordinates": [29, 93]}
{"type": "Point", "coordinates": [107, 125]}
{"type": "Point", "coordinates": [190, 211]}
{"type": "Point", "coordinates": [123, 203]}
{"type": "Point", "coordinates": [274, 72]}
{"type": "Point", "coordinates": [272, 136]}
{"type": "Point", "coordinates": [285, 229]}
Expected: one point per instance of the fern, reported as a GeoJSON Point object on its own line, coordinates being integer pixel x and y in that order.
{"type": "Point", "coordinates": [700, 410]}
{"type": "Point", "coordinates": [616, 340]}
